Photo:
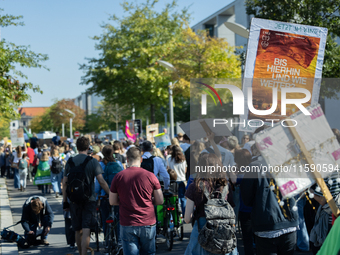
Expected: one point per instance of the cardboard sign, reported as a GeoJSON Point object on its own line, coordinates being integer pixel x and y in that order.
{"type": "Point", "coordinates": [151, 132]}
{"type": "Point", "coordinates": [282, 55]}
{"type": "Point", "coordinates": [162, 140]}
{"type": "Point", "coordinates": [195, 131]}
{"type": "Point", "coordinates": [17, 137]}
{"type": "Point", "coordinates": [63, 138]}
{"type": "Point", "coordinates": [287, 164]}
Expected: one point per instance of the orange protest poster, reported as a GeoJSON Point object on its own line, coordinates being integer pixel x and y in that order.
{"type": "Point", "coordinates": [281, 55]}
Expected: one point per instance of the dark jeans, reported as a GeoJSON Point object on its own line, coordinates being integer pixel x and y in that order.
{"type": "Point", "coordinates": [247, 232]}
{"type": "Point", "coordinates": [9, 172]}
{"type": "Point", "coordinates": [105, 213]}
{"type": "Point", "coordinates": [283, 244]}
{"type": "Point", "coordinates": [181, 197]}
{"type": "Point", "coordinates": [33, 228]}
{"type": "Point", "coordinates": [16, 178]}
{"type": "Point", "coordinates": [69, 232]}
{"type": "Point", "coordinates": [3, 170]}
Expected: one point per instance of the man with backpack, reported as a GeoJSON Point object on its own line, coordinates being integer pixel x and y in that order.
{"type": "Point", "coordinates": [78, 186]}
{"type": "Point", "coordinates": [154, 164]}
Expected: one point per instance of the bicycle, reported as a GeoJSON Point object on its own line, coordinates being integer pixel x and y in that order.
{"type": "Point", "coordinates": [170, 220]}
{"type": "Point", "coordinates": [111, 224]}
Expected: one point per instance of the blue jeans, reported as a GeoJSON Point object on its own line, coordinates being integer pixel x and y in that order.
{"type": "Point", "coordinates": [181, 197]}
{"type": "Point", "coordinates": [194, 248]}
{"type": "Point", "coordinates": [16, 178]}
{"type": "Point", "coordinates": [138, 240]}
{"type": "Point", "coordinates": [302, 234]}
{"type": "Point", "coordinates": [34, 227]}
{"type": "Point", "coordinates": [56, 181]}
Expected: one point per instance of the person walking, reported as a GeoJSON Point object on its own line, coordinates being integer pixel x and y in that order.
{"type": "Point", "coordinates": [83, 203]}
{"type": "Point", "coordinates": [17, 155]}
{"type": "Point", "coordinates": [23, 168]}
{"type": "Point", "coordinates": [154, 164]}
{"type": "Point", "coordinates": [178, 163]}
{"type": "Point", "coordinates": [56, 166]}
{"type": "Point", "coordinates": [196, 199]}
{"type": "Point", "coordinates": [136, 191]}
{"type": "Point", "coordinates": [30, 155]}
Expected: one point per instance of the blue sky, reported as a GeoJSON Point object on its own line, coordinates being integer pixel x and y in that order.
{"type": "Point", "coordinates": [62, 30]}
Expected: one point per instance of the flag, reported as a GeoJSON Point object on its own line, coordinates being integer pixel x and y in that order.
{"type": "Point", "coordinates": [29, 135]}
{"type": "Point", "coordinates": [130, 136]}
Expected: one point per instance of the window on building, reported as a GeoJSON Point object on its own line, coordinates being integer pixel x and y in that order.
{"type": "Point", "coordinates": [24, 123]}
{"type": "Point", "coordinates": [13, 124]}
{"type": "Point", "coordinates": [210, 29]}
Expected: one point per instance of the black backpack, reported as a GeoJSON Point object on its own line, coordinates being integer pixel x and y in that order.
{"type": "Point", "coordinates": [56, 167]}
{"type": "Point", "coordinates": [79, 188]}
{"type": "Point", "coordinates": [11, 236]}
{"type": "Point", "coordinates": [148, 164]}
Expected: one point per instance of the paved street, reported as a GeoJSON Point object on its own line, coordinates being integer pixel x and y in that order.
{"type": "Point", "coordinates": [57, 238]}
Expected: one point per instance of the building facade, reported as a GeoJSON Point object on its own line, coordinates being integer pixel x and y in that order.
{"type": "Point", "coordinates": [27, 114]}
{"type": "Point", "coordinates": [233, 12]}
{"type": "Point", "coordinates": [89, 103]}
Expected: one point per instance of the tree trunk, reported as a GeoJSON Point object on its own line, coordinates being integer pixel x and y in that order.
{"type": "Point", "coordinates": [153, 116]}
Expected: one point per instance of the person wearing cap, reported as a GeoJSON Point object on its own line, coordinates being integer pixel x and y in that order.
{"type": "Point", "coordinates": [37, 215]}
{"type": "Point", "coordinates": [180, 137]}
{"type": "Point", "coordinates": [96, 153]}
{"type": "Point", "coordinates": [30, 155]}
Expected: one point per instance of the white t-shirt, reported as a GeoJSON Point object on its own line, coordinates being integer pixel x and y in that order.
{"type": "Point", "coordinates": [16, 158]}
{"type": "Point", "coordinates": [179, 168]}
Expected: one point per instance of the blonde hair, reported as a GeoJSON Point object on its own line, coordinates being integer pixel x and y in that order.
{"type": "Point", "coordinates": [157, 152]}
{"type": "Point", "coordinates": [55, 152]}
{"type": "Point", "coordinates": [174, 141]}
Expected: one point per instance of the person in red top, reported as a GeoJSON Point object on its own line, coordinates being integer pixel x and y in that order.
{"type": "Point", "coordinates": [30, 155]}
{"type": "Point", "coordinates": [136, 191]}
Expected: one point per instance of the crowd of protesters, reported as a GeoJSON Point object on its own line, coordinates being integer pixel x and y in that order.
{"type": "Point", "coordinates": [267, 224]}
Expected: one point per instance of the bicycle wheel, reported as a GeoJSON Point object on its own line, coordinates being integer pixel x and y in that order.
{"type": "Point", "coordinates": [96, 233]}
{"type": "Point", "coordinates": [169, 234]}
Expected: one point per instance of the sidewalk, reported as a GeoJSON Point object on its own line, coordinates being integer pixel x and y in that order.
{"type": "Point", "coordinates": [6, 220]}
{"type": "Point", "coordinates": [56, 237]}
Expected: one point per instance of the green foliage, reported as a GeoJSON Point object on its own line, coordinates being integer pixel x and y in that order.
{"type": "Point", "coordinates": [52, 118]}
{"type": "Point", "coordinates": [13, 93]}
{"type": "Point", "coordinates": [126, 72]}
{"type": "Point", "coordinates": [322, 13]}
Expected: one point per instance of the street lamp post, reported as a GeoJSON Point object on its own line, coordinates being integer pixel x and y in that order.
{"type": "Point", "coordinates": [169, 66]}
{"type": "Point", "coordinates": [62, 126]}
{"type": "Point", "coordinates": [74, 115]}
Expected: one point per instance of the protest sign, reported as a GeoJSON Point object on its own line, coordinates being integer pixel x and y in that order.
{"type": "Point", "coordinates": [130, 131]}
{"type": "Point", "coordinates": [162, 140]}
{"type": "Point", "coordinates": [17, 137]}
{"type": "Point", "coordinates": [151, 132]}
{"type": "Point", "coordinates": [195, 131]}
{"type": "Point", "coordinates": [281, 55]}
{"type": "Point", "coordinates": [43, 175]}
{"type": "Point", "coordinates": [285, 160]}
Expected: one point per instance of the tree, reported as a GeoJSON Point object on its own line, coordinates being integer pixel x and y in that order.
{"type": "Point", "coordinates": [56, 115]}
{"type": "Point", "coordinates": [197, 55]}
{"type": "Point", "coordinates": [13, 93]}
{"type": "Point", "coordinates": [4, 127]}
{"type": "Point", "coordinates": [125, 73]}
{"type": "Point", "coordinates": [322, 13]}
